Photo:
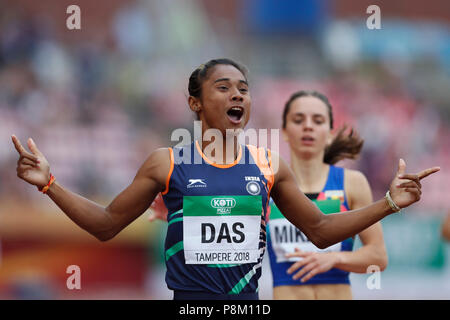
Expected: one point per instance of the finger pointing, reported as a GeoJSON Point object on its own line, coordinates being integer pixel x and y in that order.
{"type": "Point", "coordinates": [427, 172]}
{"type": "Point", "coordinates": [20, 149]}
{"type": "Point", "coordinates": [401, 167]}
{"type": "Point", "coordinates": [33, 147]}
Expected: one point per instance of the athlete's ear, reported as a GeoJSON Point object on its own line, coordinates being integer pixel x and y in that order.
{"type": "Point", "coordinates": [195, 104]}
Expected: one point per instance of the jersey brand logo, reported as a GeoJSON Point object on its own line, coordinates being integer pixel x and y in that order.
{"type": "Point", "coordinates": [196, 183]}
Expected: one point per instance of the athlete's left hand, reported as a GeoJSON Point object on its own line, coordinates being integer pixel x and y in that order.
{"type": "Point", "coordinates": [313, 263]}
{"type": "Point", "coordinates": [406, 188]}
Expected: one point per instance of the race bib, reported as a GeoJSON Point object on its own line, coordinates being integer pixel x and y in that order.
{"type": "Point", "coordinates": [221, 229]}
{"type": "Point", "coordinates": [285, 237]}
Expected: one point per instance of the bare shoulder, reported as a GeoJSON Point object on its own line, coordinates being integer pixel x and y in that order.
{"type": "Point", "coordinates": [357, 188]}
{"type": "Point", "coordinates": [157, 166]}
{"type": "Point", "coordinates": [354, 177]}
{"type": "Point", "coordinates": [279, 166]}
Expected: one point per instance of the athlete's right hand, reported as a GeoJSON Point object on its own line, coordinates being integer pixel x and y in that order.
{"type": "Point", "coordinates": [31, 167]}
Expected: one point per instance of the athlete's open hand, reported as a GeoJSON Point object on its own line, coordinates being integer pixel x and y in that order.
{"type": "Point", "coordinates": [406, 188]}
{"type": "Point", "coordinates": [312, 263]}
{"type": "Point", "coordinates": [31, 167]}
{"type": "Point", "coordinates": [159, 210]}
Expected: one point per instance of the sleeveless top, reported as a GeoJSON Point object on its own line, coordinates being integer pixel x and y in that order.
{"type": "Point", "coordinates": [216, 234]}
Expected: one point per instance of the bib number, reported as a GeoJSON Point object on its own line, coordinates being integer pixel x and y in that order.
{"type": "Point", "coordinates": [285, 237]}
{"type": "Point", "coordinates": [221, 229]}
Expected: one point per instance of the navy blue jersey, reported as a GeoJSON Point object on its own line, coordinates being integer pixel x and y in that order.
{"type": "Point", "coordinates": [216, 234]}
{"type": "Point", "coordinates": [283, 237]}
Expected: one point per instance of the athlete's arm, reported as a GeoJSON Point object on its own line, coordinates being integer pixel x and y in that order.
{"type": "Point", "coordinates": [446, 228]}
{"type": "Point", "coordinates": [373, 251]}
{"type": "Point", "coordinates": [102, 222]}
{"type": "Point", "coordinates": [325, 230]}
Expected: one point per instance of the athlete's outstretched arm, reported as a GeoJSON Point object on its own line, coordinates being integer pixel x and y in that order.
{"type": "Point", "coordinates": [446, 227]}
{"type": "Point", "coordinates": [373, 251]}
{"type": "Point", "coordinates": [102, 222]}
{"type": "Point", "coordinates": [325, 230]}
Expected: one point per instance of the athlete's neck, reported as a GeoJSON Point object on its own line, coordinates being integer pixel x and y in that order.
{"type": "Point", "coordinates": [221, 151]}
{"type": "Point", "coordinates": [311, 172]}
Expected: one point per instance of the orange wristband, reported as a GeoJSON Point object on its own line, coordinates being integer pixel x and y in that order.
{"type": "Point", "coordinates": [44, 189]}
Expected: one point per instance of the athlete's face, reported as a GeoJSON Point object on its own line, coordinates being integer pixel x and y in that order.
{"type": "Point", "coordinates": [307, 126]}
{"type": "Point", "coordinates": [225, 100]}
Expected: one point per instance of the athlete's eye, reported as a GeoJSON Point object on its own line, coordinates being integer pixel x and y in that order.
{"type": "Point", "coordinates": [319, 120]}
{"type": "Point", "coordinates": [223, 88]}
{"type": "Point", "coordinates": [244, 90]}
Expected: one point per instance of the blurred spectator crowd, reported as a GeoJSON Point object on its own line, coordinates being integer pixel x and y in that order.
{"type": "Point", "coordinates": [96, 107]}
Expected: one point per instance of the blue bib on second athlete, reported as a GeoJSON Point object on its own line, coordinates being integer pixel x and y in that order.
{"type": "Point", "coordinates": [284, 237]}
{"type": "Point", "coordinates": [216, 234]}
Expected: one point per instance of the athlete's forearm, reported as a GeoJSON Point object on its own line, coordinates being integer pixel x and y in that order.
{"type": "Point", "coordinates": [85, 213]}
{"type": "Point", "coordinates": [360, 260]}
{"type": "Point", "coordinates": [446, 228]}
{"type": "Point", "coordinates": [336, 227]}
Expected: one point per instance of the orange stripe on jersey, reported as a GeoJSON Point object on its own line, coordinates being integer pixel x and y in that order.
{"type": "Point", "coordinates": [269, 155]}
{"type": "Point", "coordinates": [221, 166]}
{"type": "Point", "coordinates": [172, 162]}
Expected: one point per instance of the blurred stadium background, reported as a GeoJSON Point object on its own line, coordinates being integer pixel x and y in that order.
{"type": "Point", "coordinates": [98, 100]}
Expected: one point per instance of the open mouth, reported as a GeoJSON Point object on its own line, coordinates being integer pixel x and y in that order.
{"type": "Point", "coordinates": [235, 114]}
{"type": "Point", "coordinates": [307, 140]}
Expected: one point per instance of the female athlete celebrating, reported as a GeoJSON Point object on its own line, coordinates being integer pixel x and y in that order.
{"type": "Point", "coordinates": [324, 274]}
{"type": "Point", "coordinates": [216, 225]}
